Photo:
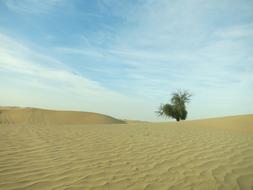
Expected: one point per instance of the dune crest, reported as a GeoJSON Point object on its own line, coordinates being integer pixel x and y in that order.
{"type": "Point", "coordinates": [15, 115]}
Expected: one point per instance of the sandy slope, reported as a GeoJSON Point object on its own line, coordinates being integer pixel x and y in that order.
{"type": "Point", "coordinates": [206, 154]}
{"type": "Point", "coordinates": [15, 115]}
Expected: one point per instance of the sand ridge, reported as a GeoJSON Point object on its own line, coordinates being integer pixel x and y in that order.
{"type": "Point", "coordinates": [186, 155]}
{"type": "Point", "coordinates": [15, 115]}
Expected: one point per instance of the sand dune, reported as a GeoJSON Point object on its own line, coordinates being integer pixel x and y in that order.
{"type": "Point", "coordinates": [238, 123]}
{"type": "Point", "coordinates": [207, 154]}
{"type": "Point", "coordinates": [15, 115]}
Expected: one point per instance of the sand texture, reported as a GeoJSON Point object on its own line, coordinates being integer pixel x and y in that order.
{"type": "Point", "coordinates": [200, 155]}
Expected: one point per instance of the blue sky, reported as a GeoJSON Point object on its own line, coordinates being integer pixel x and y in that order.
{"type": "Point", "coordinates": [123, 58]}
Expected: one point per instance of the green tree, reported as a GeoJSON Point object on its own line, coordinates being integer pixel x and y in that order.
{"type": "Point", "coordinates": [176, 109]}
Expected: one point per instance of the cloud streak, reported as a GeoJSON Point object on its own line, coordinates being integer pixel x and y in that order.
{"type": "Point", "coordinates": [61, 88]}
{"type": "Point", "coordinates": [136, 53]}
{"type": "Point", "coordinates": [33, 6]}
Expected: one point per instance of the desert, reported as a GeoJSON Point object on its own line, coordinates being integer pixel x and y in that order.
{"type": "Point", "coordinates": [106, 154]}
{"type": "Point", "coordinates": [126, 95]}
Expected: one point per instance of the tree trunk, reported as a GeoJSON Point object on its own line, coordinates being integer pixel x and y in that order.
{"type": "Point", "coordinates": [177, 119]}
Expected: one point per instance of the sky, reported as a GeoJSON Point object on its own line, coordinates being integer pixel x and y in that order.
{"type": "Point", "coordinates": [125, 57]}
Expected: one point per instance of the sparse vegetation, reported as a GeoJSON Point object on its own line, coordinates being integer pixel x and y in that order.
{"type": "Point", "coordinates": [177, 108]}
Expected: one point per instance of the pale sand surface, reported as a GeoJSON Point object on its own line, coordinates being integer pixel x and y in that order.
{"type": "Point", "coordinates": [205, 154]}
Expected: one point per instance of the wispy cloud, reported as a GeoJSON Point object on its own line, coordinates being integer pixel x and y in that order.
{"type": "Point", "coordinates": [236, 32]}
{"type": "Point", "coordinates": [31, 79]}
{"type": "Point", "coordinates": [32, 6]}
{"type": "Point", "coordinates": [177, 45]}
{"type": "Point", "coordinates": [18, 58]}
{"type": "Point", "coordinates": [135, 53]}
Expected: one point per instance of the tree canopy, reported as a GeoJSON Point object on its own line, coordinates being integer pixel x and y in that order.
{"type": "Point", "coordinates": [177, 108]}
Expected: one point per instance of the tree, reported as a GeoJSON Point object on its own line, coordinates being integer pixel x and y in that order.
{"type": "Point", "coordinates": [177, 108]}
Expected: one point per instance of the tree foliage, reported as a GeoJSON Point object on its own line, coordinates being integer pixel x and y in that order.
{"type": "Point", "coordinates": [176, 109]}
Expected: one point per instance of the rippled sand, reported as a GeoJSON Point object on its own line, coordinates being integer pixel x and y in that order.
{"type": "Point", "coordinates": [186, 155]}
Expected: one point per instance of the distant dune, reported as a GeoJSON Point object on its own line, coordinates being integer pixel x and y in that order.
{"type": "Point", "coordinates": [209, 154]}
{"type": "Point", "coordinates": [16, 115]}
{"type": "Point", "coordinates": [239, 122]}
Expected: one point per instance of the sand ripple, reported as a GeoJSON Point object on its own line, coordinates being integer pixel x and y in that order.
{"type": "Point", "coordinates": [133, 156]}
